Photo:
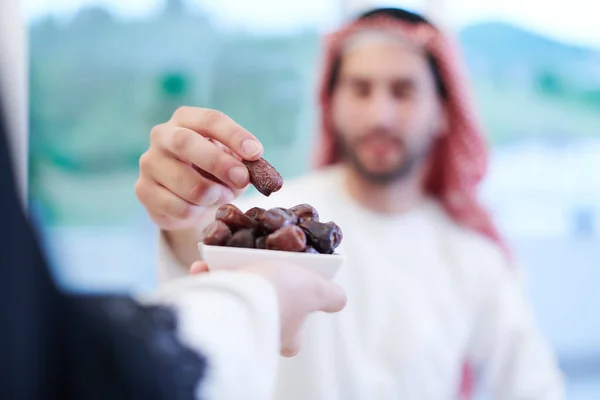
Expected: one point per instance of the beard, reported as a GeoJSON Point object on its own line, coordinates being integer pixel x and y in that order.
{"type": "Point", "coordinates": [411, 159]}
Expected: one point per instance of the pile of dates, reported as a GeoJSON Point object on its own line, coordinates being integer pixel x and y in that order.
{"type": "Point", "coordinates": [296, 230]}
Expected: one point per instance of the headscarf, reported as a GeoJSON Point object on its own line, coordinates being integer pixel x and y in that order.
{"type": "Point", "coordinates": [460, 157]}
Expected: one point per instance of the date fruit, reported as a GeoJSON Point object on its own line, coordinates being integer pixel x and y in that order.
{"type": "Point", "coordinates": [260, 242]}
{"type": "Point", "coordinates": [217, 234]}
{"type": "Point", "coordinates": [264, 176]}
{"type": "Point", "coordinates": [295, 230]}
{"type": "Point", "coordinates": [235, 218]}
{"type": "Point", "coordinates": [276, 218]}
{"type": "Point", "coordinates": [289, 238]}
{"type": "Point", "coordinates": [304, 212]}
{"type": "Point", "coordinates": [255, 212]}
{"type": "Point", "coordinates": [243, 238]}
{"type": "Point", "coordinates": [337, 233]}
{"type": "Point", "coordinates": [323, 237]}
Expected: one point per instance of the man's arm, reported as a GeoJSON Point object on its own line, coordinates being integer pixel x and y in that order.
{"type": "Point", "coordinates": [509, 352]}
{"type": "Point", "coordinates": [175, 250]}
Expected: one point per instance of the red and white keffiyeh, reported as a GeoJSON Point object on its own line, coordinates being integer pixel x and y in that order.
{"type": "Point", "coordinates": [460, 157]}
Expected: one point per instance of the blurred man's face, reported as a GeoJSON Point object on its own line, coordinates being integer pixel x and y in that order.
{"type": "Point", "coordinates": [386, 109]}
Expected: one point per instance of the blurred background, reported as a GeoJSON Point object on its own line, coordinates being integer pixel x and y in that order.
{"type": "Point", "coordinates": [104, 72]}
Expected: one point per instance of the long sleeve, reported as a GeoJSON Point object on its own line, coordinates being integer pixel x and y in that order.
{"type": "Point", "coordinates": [232, 318]}
{"type": "Point", "coordinates": [513, 359]}
{"type": "Point", "coordinates": [168, 267]}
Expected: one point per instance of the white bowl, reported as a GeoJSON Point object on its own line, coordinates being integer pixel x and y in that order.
{"type": "Point", "coordinates": [219, 257]}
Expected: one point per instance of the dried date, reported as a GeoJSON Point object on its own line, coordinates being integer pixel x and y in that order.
{"type": "Point", "coordinates": [276, 218]}
{"type": "Point", "coordinates": [305, 212]}
{"type": "Point", "coordinates": [217, 234]}
{"type": "Point", "coordinates": [260, 242]}
{"type": "Point", "coordinates": [324, 238]}
{"type": "Point", "coordinates": [264, 176]}
{"type": "Point", "coordinates": [235, 218]}
{"type": "Point", "coordinates": [295, 230]}
{"type": "Point", "coordinates": [338, 236]}
{"type": "Point", "coordinates": [290, 238]}
{"type": "Point", "coordinates": [255, 212]}
{"type": "Point", "coordinates": [243, 238]}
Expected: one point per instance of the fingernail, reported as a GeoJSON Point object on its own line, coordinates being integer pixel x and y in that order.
{"type": "Point", "coordinates": [238, 175]}
{"type": "Point", "coordinates": [212, 195]}
{"type": "Point", "coordinates": [251, 147]}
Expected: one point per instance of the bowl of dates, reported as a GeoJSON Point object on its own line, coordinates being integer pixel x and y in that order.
{"type": "Point", "coordinates": [295, 235]}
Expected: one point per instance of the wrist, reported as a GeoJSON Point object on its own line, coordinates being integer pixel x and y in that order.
{"type": "Point", "coordinates": [183, 245]}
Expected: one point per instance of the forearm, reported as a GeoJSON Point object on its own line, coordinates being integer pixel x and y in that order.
{"type": "Point", "coordinates": [177, 250]}
{"type": "Point", "coordinates": [183, 244]}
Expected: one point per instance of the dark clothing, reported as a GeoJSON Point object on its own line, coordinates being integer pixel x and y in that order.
{"type": "Point", "coordinates": [59, 346]}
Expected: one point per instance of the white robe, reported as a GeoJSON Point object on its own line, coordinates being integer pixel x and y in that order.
{"type": "Point", "coordinates": [424, 296]}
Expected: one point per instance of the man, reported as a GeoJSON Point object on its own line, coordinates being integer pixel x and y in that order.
{"type": "Point", "coordinates": [433, 299]}
{"type": "Point", "coordinates": [213, 336]}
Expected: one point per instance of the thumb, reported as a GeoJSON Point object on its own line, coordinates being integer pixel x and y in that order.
{"type": "Point", "coordinates": [331, 298]}
{"type": "Point", "coordinates": [291, 347]}
{"type": "Point", "coordinates": [198, 267]}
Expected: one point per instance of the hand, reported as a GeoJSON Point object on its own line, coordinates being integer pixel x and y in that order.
{"type": "Point", "coordinates": [193, 163]}
{"type": "Point", "coordinates": [299, 292]}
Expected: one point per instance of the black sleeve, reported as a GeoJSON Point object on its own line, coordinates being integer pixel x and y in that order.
{"type": "Point", "coordinates": [129, 351]}
{"type": "Point", "coordinates": [58, 346]}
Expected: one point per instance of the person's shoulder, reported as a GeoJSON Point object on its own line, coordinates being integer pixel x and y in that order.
{"type": "Point", "coordinates": [480, 265]}
{"type": "Point", "coordinates": [472, 248]}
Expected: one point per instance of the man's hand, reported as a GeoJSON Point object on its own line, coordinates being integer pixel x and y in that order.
{"type": "Point", "coordinates": [194, 162]}
{"type": "Point", "coordinates": [299, 292]}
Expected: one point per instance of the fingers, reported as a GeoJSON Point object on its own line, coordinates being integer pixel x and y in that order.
{"type": "Point", "coordinates": [194, 161]}
{"type": "Point", "coordinates": [182, 180]}
{"type": "Point", "coordinates": [157, 197]}
{"type": "Point", "coordinates": [198, 267]}
{"type": "Point", "coordinates": [216, 125]}
{"type": "Point", "coordinates": [330, 297]}
{"type": "Point", "coordinates": [188, 146]}
{"type": "Point", "coordinates": [291, 347]}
